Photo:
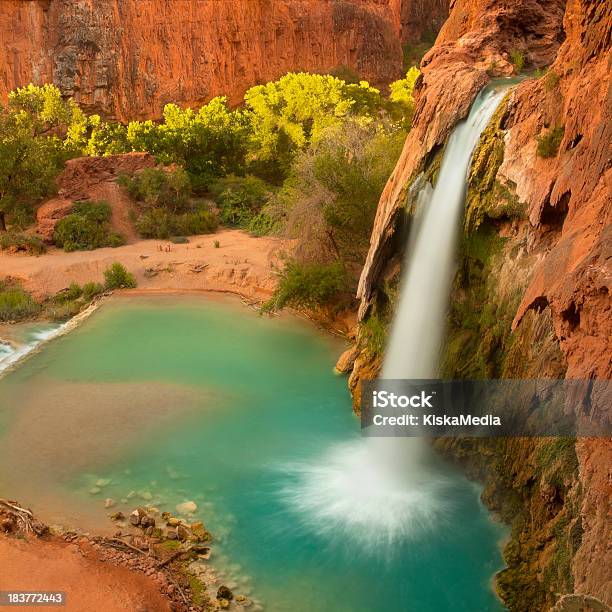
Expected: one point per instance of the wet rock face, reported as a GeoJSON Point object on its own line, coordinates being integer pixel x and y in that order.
{"type": "Point", "coordinates": [566, 194]}
{"type": "Point", "coordinates": [476, 42]}
{"type": "Point", "coordinates": [127, 58]}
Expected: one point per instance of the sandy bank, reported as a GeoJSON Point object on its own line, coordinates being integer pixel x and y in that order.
{"type": "Point", "coordinates": [75, 569]}
{"type": "Point", "coordinates": [242, 264]}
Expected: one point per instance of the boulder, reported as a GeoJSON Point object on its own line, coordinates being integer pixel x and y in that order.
{"type": "Point", "coordinates": [183, 533]}
{"type": "Point", "coordinates": [346, 361]}
{"type": "Point", "coordinates": [224, 592]}
{"type": "Point", "coordinates": [48, 214]}
{"type": "Point", "coordinates": [137, 516]}
{"type": "Point", "coordinates": [188, 507]}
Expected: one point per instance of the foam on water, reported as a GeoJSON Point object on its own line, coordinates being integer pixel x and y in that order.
{"type": "Point", "coordinates": [379, 490]}
{"type": "Point", "coordinates": [350, 492]}
{"type": "Point", "coordinates": [11, 354]}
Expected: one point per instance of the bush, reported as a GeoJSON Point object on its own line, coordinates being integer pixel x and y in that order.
{"type": "Point", "coordinates": [263, 224]}
{"type": "Point", "coordinates": [32, 245]}
{"type": "Point", "coordinates": [308, 285]}
{"type": "Point", "coordinates": [160, 224]}
{"type": "Point", "coordinates": [518, 60]}
{"type": "Point", "coordinates": [329, 201]}
{"type": "Point", "coordinates": [548, 143]}
{"type": "Point", "coordinates": [74, 292]}
{"type": "Point", "coordinates": [199, 222]}
{"type": "Point", "coordinates": [91, 290]}
{"type": "Point", "coordinates": [551, 80]}
{"type": "Point", "coordinates": [86, 228]}
{"type": "Point", "coordinates": [16, 304]}
{"type": "Point", "coordinates": [240, 199]}
{"type": "Point", "coordinates": [64, 310]}
{"type": "Point", "coordinates": [159, 188]}
{"type": "Point", "coordinates": [117, 277]}
{"type": "Point", "coordinates": [155, 223]}
{"type": "Point", "coordinates": [69, 302]}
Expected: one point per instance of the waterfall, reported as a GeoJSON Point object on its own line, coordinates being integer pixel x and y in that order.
{"type": "Point", "coordinates": [381, 490]}
{"type": "Point", "coordinates": [418, 328]}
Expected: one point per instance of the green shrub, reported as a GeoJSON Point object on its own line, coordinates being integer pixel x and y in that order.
{"type": "Point", "coordinates": [551, 80]}
{"type": "Point", "coordinates": [91, 290]}
{"type": "Point", "coordinates": [64, 310]}
{"type": "Point", "coordinates": [32, 245]}
{"type": "Point", "coordinates": [158, 188]}
{"type": "Point", "coordinates": [69, 302]}
{"type": "Point", "coordinates": [328, 202]}
{"type": "Point", "coordinates": [262, 224]}
{"type": "Point", "coordinates": [373, 333]}
{"type": "Point", "coordinates": [155, 223]}
{"type": "Point", "coordinates": [518, 60]}
{"type": "Point", "coordinates": [160, 224]}
{"type": "Point", "coordinates": [240, 199]}
{"type": "Point", "coordinates": [86, 228]}
{"type": "Point", "coordinates": [74, 292]}
{"type": "Point", "coordinates": [117, 277]}
{"type": "Point", "coordinates": [309, 285]}
{"type": "Point", "coordinates": [16, 304]}
{"type": "Point", "coordinates": [199, 222]}
{"type": "Point", "coordinates": [549, 142]}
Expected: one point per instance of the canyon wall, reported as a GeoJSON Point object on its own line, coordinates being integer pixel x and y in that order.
{"type": "Point", "coordinates": [419, 20]}
{"type": "Point", "coordinates": [127, 58]}
{"type": "Point", "coordinates": [535, 262]}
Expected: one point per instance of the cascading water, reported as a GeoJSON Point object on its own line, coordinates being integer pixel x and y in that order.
{"type": "Point", "coordinates": [380, 490]}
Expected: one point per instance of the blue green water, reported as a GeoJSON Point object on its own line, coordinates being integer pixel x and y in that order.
{"type": "Point", "coordinates": [260, 398]}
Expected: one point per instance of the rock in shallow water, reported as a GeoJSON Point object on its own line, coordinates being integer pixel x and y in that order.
{"type": "Point", "coordinates": [188, 507]}
{"type": "Point", "coordinates": [224, 592]}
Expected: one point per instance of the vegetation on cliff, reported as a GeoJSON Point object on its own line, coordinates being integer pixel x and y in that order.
{"type": "Point", "coordinates": [531, 483]}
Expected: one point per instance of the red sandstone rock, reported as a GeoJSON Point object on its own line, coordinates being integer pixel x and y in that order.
{"type": "Point", "coordinates": [92, 178]}
{"type": "Point", "coordinates": [81, 174]}
{"type": "Point", "coordinates": [474, 42]}
{"type": "Point", "coordinates": [127, 58]}
{"type": "Point", "coordinates": [48, 214]}
{"type": "Point", "coordinates": [416, 19]}
{"type": "Point", "coordinates": [568, 196]}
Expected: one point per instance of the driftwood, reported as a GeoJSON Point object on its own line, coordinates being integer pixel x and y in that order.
{"type": "Point", "coordinates": [118, 542]}
{"type": "Point", "coordinates": [23, 517]}
{"type": "Point", "coordinates": [175, 555]}
{"type": "Point", "coordinates": [176, 584]}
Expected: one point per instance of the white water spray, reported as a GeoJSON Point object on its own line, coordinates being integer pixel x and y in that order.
{"type": "Point", "coordinates": [379, 490]}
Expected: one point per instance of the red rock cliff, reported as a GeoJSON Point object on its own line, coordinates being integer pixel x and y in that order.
{"type": "Point", "coordinates": [566, 236]}
{"type": "Point", "coordinates": [127, 58]}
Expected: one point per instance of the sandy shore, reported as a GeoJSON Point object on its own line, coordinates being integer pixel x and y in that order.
{"type": "Point", "coordinates": [75, 569]}
{"type": "Point", "coordinates": [242, 264]}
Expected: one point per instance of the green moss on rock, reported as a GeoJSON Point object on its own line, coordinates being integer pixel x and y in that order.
{"type": "Point", "coordinates": [486, 196]}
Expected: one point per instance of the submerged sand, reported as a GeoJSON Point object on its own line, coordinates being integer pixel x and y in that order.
{"type": "Point", "coordinates": [56, 430]}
